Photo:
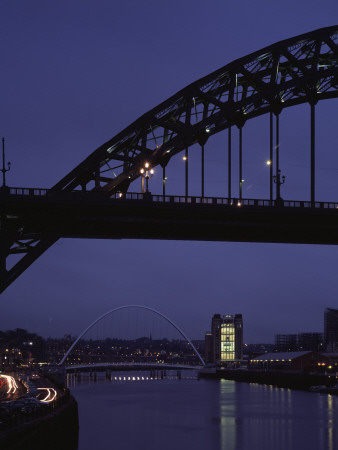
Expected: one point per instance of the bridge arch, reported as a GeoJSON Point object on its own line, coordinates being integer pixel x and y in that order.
{"type": "Point", "coordinates": [131, 306]}
{"type": "Point", "coordinates": [302, 69]}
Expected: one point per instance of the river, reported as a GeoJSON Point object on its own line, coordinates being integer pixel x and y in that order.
{"type": "Point", "coordinates": [187, 413]}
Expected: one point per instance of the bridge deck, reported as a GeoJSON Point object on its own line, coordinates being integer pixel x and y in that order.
{"type": "Point", "coordinates": [140, 216]}
{"type": "Point", "coordinates": [129, 367]}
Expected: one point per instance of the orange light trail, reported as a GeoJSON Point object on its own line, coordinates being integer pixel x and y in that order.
{"type": "Point", "coordinates": [51, 394]}
{"type": "Point", "coordinates": [12, 386]}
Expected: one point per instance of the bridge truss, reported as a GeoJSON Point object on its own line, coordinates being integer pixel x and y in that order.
{"type": "Point", "coordinates": [303, 69]}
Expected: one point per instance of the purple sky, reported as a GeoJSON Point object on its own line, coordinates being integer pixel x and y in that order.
{"type": "Point", "coordinates": [74, 74]}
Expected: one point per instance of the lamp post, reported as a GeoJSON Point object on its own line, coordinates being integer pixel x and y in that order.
{"type": "Point", "coordinates": [146, 173]}
{"type": "Point", "coordinates": [4, 170]}
{"type": "Point", "coordinates": [279, 181]}
{"type": "Point", "coordinates": [277, 178]}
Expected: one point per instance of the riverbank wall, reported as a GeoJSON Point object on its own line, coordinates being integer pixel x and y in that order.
{"type": "Point", "coordinates": [54, 430]}
{"type": "Point", "coordinates": [291, 380]}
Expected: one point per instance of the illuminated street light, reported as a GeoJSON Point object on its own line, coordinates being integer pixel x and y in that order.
{"type": "Point", "coordinates": [146, 173]}
{"type": "Point", "coordinates": [240, 189]}
{"type": "Point", "coordinates": [268, 163]}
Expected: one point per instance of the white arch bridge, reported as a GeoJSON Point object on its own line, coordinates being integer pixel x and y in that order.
{"type": "Point", "coordinates": [135, 366]}
{"type": "Point", "coordinates": [143, 365]}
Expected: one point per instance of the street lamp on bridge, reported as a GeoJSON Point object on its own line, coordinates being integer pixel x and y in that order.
{"type": "Point", "coordinates": [4, 170]}
{"type": "Point", "coordinates": [146, 173]}
{"type": "Point", "coordinates": [279, 180]}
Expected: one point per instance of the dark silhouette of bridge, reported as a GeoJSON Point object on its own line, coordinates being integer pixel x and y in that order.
{"type": "Point", "coordinates": [93, 200]}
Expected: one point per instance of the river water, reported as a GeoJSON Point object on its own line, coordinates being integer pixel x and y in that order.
{"type": "Point", "coordinates": [187, 413]}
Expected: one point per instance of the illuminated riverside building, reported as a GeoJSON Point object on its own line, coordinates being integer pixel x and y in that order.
{"type": "Point", "coordinates": [225, 339]}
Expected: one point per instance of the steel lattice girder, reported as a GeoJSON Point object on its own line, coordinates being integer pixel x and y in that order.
{"type": "Point", "coordinates": [294, 71]}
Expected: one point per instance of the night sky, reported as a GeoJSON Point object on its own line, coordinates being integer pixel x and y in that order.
{"type": "Point", "coordinates": [76, 72]}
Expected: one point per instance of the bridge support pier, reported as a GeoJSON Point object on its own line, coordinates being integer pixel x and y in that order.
{"type": "Point", "coordinates": [186, 172]}
{"type": "Point", "coordinates": [271, 157]}
{"type": "Point", "coordinates": [312, 105]}
{"type": "Point", "coordinates": [240, 163]}
{"type": "Point", "coordinates": [163, 181]}
{"type": "Point", "coordinates": [240, 121]}
{"type": "Point", "coordinates": [277, 158]}
{"type": "Point", "coordinates": [229, 163]}
{"type": "Point", "coordinates": [202, 168]}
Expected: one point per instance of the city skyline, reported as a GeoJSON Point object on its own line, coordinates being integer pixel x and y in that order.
{"type": "Point", "coordinates": [75, 75]}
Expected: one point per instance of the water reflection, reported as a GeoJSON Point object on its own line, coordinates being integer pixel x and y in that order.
{"type": "Point", "coordinates": [74, 379]}
{"type": "Point", "coordinates": [327, 406]}
{"type": "Point", "coordinates": [150, 412]}
{"type": "Point", "coordinates": [264, 417]}
{"type": "Point", "coordinates": [228, 414]}
{"type": "Point", "coordinates": [330, 422]}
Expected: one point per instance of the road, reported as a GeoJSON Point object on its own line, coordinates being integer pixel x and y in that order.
{"type": "Point", "coordinates": [10, 388]}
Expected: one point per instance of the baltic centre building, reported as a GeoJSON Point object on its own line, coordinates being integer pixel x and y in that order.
{"type": "Point", "coordinates": [224, 344]}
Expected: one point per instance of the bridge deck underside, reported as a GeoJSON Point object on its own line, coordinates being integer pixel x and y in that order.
{"type": "Point", "coordinates": [128, 367]}
{"type": "Point", "coordinates": [141, 219]}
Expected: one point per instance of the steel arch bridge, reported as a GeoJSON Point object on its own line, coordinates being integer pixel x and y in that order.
{"type": "Point", "coordinates": [128, 307]}
{"type": "Point", "coordinates": [303, 69]}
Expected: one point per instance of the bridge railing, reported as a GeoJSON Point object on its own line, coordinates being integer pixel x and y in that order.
{"type": "Point", "coordinates": [229, 201]}
{"type": "Point", "coordinates": [235, 202]}
{"type": "Point", "coordinates": [28, 191]}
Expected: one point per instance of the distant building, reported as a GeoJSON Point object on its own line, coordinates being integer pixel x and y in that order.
{"type": "Point", "coordinates": [331, 329]}
{"type": "Point", "coordinates": [286, 342]}
{"type": "Point", "coordinates": [289, 361]}
{"type": "Point", "coordinates": [253, 350]}
{"type": "Point", "coordinates": [225, 342]}
{"type": "Point", "coordinates": [209, 348]}
{"type": "Point", "coordinates": [299, 342]}
{"type": "Point", "coordinates": [311, 341]}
